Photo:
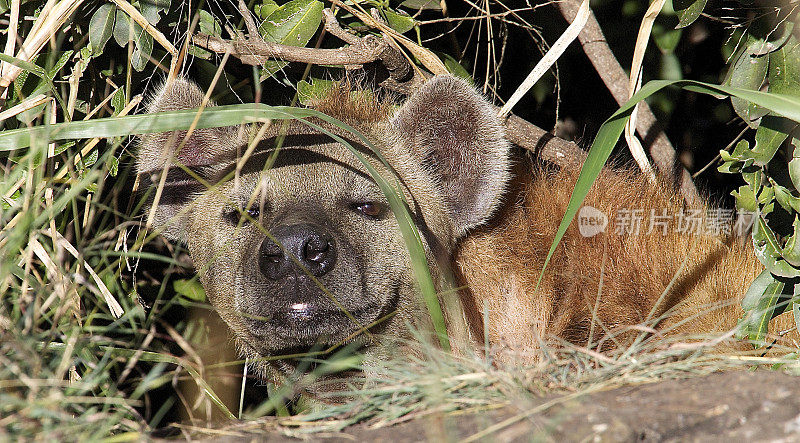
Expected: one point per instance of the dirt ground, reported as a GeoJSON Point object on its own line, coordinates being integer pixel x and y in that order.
{"type": "Point", "coordinates": [730, 406]}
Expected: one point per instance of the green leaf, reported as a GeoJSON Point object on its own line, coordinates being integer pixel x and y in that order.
{"type": "Point", "coordinates": [151, 9]}
{"type": "Point", "coordinates": [759, 304]}
{"type": "Point", "coordinates": [401, 23]}
{"type": "Point", "coordinates": [768, 46]}
{"type": "Point", "coordinates": [266, 8]}
{"type": "Point", "coordinates": [101, 26]}
{"type": "Point", "coordinates": [62, 60]}
{"type": "Point", "coordinates": [781, 104]}
{"type": "Point", "coordinates": [63, 147]}
{"type": "Point", "coordinates": [27, 66]}
{"type": "Point", "coordinates": [454, 67]}
{"type": "Point", "coordinates": [293, 24]}
{"type": "Point", "coordinates": [754, 179]}
{"type": "Point", "coordinates": [422, 4]}
{"type": "Point", "coordinates": [208, 24]}
{"type": "Point", "coordinates": [745, 199]}
{"type": "Point", "coordinates": [735, 162]}
{"type": "Point", "coordinates": [90, 159]}
{"type": "Point", "coordinates": [122, 28]}
{"type": "Point", "coordinates": [784, 69]}
{"type": "Point", "coordinates": [757, 287]}
{"type": "Point", "coordinates": [748, 72]}
{"type": "Point", "coordinates": [113, 166]}
{"type": "Point", "coordinates": [794, 164]}
{"type": "Point", "coordinates": [666, 39]}
{"type": "Point", "coordinates": [144, 47]}
{"type": "Point", "coordinates": [787, 201]}
{"type": "Point", "coordinates": [688, 11]}
{"type": "Point", "coordinates": [4, 205]}
{"type": "Point", "coordinates": [85, 56]}
{"type": "Point", "coordinates": [118, 101]}
{"type": "Point", "coordinates": [791, 250]}
{"type": "Point", "coordinates": [768, 251]}
{"type": "Point", "coordinates": [766, 196]}
{"type": "Point", "coordinates": [770, 135]}
{"type": "Point", "coordinates": [215, 117]}
{"type": "Point", "coordinates": [190, 288]}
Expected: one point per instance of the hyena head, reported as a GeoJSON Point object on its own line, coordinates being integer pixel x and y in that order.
{"type": "Point", "coordinates": [294, 241]}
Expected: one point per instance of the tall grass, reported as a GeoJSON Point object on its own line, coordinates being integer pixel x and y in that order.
{"type": "Point", "coordinates": [81, 275]}
{"type": "Point", "coordinates": [69, 316]}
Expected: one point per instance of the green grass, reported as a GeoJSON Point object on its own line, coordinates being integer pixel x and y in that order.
{"type": "Point", "coordinates": [84, 285]}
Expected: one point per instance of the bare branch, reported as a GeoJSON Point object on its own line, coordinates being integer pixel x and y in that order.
{"type": "Point", "coordinates": [545, 145]}
{"type": "Point", "coordinates": [257, 51]}
{"type": "Point", "coordinates": [254, 50]}
{"type": "Point", "coordinates": [251, 49]}
{"type": "Point", "coordinates": [613, 75]}
{"type": "Point", "coordinates": [332, 26]}
{"type": "Point", "coordinates": [249, 22]}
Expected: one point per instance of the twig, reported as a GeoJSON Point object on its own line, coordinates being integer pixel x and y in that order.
{"type": "Point", "coordinates": [428, 59]}
{"type": "Point", "coordinates": [146, 26]}
{"type": "Point", "coordinates": [726, 148]}
{"type": "Point", "coordinates": [550, 58]}
{"type": "Point", "coordinates": [113, 305]}
{"type": "Point", "coordinates": [253, 50]}
{"type": "Point", "coordinates": [256, 51]}
{"type": "Point", "coordinates": [24, 105]}
{"type": "Point", "coordinates": [542, 143]}
{"type": "Point", "coordinates": [332, 26]}
{"type": "Point", "coordinates": [249, 22]}
{"type": "Point", "coordinates": [613, 75]}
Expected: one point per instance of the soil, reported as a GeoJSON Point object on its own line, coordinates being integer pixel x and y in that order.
{"type": "Point", "coordinates": [730, 406]}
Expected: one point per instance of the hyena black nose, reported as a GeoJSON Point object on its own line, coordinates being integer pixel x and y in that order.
{"type": "Point", "coordinates": [313, 248]}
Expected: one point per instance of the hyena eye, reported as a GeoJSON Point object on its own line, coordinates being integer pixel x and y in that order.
{"type": "Point", "coordinates": [370, 209]}
{"type": "Point", "coordinates": [253, 213]}
{"type": "Point", "coordinates": [234, 216]}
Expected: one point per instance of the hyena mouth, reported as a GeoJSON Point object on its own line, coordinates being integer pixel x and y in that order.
{"type": "Point", "coordinates": [307, 325]}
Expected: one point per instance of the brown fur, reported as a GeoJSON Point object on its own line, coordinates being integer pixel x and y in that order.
{"type": "Point", "coordinates": [349, 103]}
{"type": "Point", "coordinates": [447, 152]}
{"type": "Point", "coordinates": [678, 283]}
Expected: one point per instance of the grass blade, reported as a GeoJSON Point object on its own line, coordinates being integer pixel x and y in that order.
{"type": "Point", "coordinates": [609, 133]}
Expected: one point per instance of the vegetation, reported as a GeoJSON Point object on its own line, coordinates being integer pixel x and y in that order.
{"type": "Point", "coordinates": [96, 333]}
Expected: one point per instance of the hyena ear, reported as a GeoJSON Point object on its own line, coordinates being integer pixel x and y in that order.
{"type": "Point", "coordinates": [201, 150]}
{"type": "Point", "coordinates": [456, 135]}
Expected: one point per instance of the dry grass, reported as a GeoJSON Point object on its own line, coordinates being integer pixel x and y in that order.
{"type": "Point", "coordinates": [437, 384]}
